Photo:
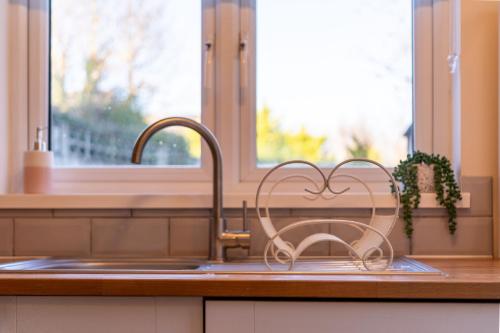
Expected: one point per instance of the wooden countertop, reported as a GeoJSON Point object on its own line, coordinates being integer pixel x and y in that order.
{"type": "Point", "coordinates": [465, 279]}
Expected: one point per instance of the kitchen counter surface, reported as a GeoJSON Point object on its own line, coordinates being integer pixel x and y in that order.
{"type": "Point", "coordinates": [464, 279]}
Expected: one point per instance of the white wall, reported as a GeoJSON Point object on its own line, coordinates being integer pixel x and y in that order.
{"type": "Point", "coordinates": [480, 97]}
{"type": "Point", "coordinates": [3, 96]}
{"type": "Point", "coordinates": [479, 88]}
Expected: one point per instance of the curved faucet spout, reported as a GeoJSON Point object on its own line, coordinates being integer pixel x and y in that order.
{"type": "Point", "coordinates": [201, 129]}
{"type": "Point", "coordinates": [217, 226]}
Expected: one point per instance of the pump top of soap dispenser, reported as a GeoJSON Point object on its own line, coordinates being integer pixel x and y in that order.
{"type": "Point", "coordinates": [40, 144]}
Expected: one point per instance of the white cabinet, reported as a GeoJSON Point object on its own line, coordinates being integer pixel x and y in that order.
{"type": "Point", "coordinates": [350, 317]}
{"type": "Point", "coordinates": [185, 315]}
{"type": "Point", "coordinates": [101, 314]}
{"type": "Point", "coordinates": [230, 316]}
{"type": "Point", "coordinates": [7, 314]}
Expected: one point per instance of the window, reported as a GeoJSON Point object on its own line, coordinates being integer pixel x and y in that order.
{"type": "Point", "coordinates": [334, 80]}
{"type": "Point", "coordinates": [116, 66]}
{"type": "Point", "coordinates": [275, 80]}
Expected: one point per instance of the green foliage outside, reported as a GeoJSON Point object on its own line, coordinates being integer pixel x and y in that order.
{"type": "Point", "coordinates": [97, 125]}
{"type": "Point", "coordinates": [274, 145]}
{"type": "Point", "coordinates": [116, 118]}
{"type": "Point", "coordinates": [109, 122]}
{"type": "Point", "coordinates": [362, 148]}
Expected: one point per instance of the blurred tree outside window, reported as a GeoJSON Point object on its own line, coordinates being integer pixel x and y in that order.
{"type": "Point", "coordinates": [334, 80]}
{"type": "Point", "coordinates": [337, 85]}
{"type": "Point", "coordinates": [117, 66]}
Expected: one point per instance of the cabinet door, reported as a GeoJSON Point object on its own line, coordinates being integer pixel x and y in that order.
{"type": "Point", "coordinates": [8, 305]}
{"type": "Point", "coordinates": [85, 314]}
{"type": "Point", "coordinates": [179, 315]}
{"type": "Point", "coordinates": [229, 317]}
{"type": "Point", "coordinates": [109, 315]}
{"type": "Point", "coordinates": [354, 317]}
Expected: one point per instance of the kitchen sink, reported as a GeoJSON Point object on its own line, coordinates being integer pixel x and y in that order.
{"type": "Point", "coordinates": [337, 266]}
{"type": "Point", "coordinates": [316, 266]}
{"type": "Point", "coordinates": [99, 265]}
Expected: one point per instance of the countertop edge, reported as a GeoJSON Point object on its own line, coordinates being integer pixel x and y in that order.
{"type": "Point", "coordinates": [231, 288]}
{"type": "Point", "coordinates": [464, 279]}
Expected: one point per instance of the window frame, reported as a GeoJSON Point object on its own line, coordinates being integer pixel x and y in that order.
{"type": "Point", "coordinates": [433, 22]}
{"type": "Point", "coordinates": [97, 178]}
{"type": "Point", "coordinates": [228, 100]}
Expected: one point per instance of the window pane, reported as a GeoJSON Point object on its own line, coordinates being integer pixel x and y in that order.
{"type": "Point", "coordinates": [334, 80]}
{"type": "Point", "coordinates": [116, 67]}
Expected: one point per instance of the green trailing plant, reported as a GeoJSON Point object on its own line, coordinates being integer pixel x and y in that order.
{"type": "Point", "coordinates": [446, 187]}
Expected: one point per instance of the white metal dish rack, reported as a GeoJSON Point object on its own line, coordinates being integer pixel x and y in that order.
{"type": "Point", "coordinates": [366, 251]}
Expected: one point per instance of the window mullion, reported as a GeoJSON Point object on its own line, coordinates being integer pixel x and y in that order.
{"type": "Point", "coordinates": [248, 152]}
{"type": "Point", "coordinates": [227, 86]}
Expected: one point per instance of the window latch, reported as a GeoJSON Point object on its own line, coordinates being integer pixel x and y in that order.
{"type": "Point", "coordinates": [207, 70]}
{"type": "Point", "coordinates": [244, 62]}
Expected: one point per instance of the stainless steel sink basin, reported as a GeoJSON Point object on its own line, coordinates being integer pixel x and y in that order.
{"type": "Point", "coordinates": [100, 265]}
{"type": "Point", "coordinates": [338, 266]}
{"type": "Point", "coordinates": [318, 266]}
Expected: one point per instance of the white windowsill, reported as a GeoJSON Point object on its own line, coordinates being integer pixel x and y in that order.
{"type": "Point", "coordinates": [159, 201]}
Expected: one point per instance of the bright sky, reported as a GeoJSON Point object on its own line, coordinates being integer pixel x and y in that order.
{"type": "Point", "coordinates": [169, 61]}
{"type": "Point", "coordinates": [336, 67]}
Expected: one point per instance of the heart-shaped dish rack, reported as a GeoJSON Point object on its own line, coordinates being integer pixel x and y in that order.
{"type": "Point", "coordinates": [366, 251]}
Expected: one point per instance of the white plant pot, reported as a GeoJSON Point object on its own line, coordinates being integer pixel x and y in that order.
{"type": "Point", "coordinates": [425, 178]}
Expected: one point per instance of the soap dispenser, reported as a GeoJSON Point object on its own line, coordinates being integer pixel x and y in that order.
{"type": "Point", "coordinates": [38, 166]}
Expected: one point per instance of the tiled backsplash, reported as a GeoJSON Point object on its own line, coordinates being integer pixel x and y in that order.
{"type": "Point", "coordinates": [176, 232]}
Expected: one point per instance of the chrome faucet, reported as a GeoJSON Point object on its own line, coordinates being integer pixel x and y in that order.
{"type": "Point", "coordinates": [220, 238]}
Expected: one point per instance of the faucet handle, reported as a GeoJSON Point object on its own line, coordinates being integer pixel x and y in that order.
{"type": "Point", "coordinates": [237, 238]}
{"type": "Point", "coordinates": [244, 209]}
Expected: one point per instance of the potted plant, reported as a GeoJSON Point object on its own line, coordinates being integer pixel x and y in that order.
{"type": "Point", "coordinates": [413, 173]}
